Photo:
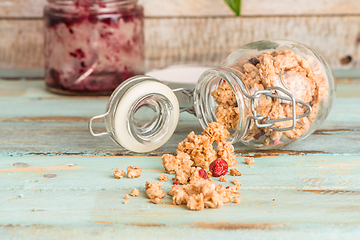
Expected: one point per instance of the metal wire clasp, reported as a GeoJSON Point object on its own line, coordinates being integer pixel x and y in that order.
{"type": "Point", "coordinates": [270, 122]}
{"type": "Point", "coordinates": [189, 93]}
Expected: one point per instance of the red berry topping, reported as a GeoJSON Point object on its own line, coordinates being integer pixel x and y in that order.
{"type": "Point", "coordinates": [227, 187]}
{"type": "Point", "coordinates": [258, 135]}
{"type": "Point", "coordinates": [218, 167]}
{"type": "Point", "coordinates": [203, 174]}
{"type": "Point", "coordinates": [175, 183]}
{"type": "Point", "coordinates": [253, 61]}
{"type": "Point", "coordinates": [277, 142]}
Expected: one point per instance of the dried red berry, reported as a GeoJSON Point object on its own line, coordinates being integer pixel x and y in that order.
{"type": "Point", "coordinates": [175, 183]}
{"type": "Point", "coordinates": [218, 167]}
{"type": "Point", "coordinates": [227, 187]}
{"type": "Point", "coordinates": [277, 142]}
{"type": "Point", "coordinates": [258, 135]}
{"type": "Point", "coordinates": [253, 61]}
{"type": "Point", "coordinates": [203, 174]}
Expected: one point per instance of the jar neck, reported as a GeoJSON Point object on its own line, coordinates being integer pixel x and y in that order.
{"type": "Point", "coordinates": [91, 5]}
{"type": "Point", "coordinates": [206, 106]}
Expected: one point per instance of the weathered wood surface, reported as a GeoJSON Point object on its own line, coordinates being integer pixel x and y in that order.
{"type": "Point", "coordinates": [26, 109]}
{"type": "Point", "coordinates": [308, 190]}
{"type": "Point", "coordinates": [206, 41]}
{"type": "Point", "coordinates": [204, 8]}
{"type": "Point", "coordinates": [281, 198]}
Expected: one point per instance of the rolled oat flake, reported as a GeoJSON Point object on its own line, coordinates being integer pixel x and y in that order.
{"type": "Point", "coordinates": [268, 94]}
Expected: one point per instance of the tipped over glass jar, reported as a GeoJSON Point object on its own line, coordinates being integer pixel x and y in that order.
{"type": "Point", "coordinates": [92, 46]}
{"type": "Point", "coordinates": [268, 94]}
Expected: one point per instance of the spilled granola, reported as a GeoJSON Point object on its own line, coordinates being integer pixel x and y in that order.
{"type": "Point", "coordinates": [194, 155]}
{"type": "Point", "coordinates": [133, 172]}
{"type": "Point", "coordinates": [234, 172]}
{"type": "Point", "coordinates": [135, 192]}
{"type": "Point", "coordinates": [249, 160]}
{"type": "Point", "coordinates": [202, 194]}
{"type": "Point", "coordinates": [153, 190]}
{"type": "Point", "coordinates": [163, 177]}
{"type": "Point", "coordinates": [118, 173]}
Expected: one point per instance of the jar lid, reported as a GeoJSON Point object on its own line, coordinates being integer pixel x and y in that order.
{"type": "Point", "coordinates": [142, 114]}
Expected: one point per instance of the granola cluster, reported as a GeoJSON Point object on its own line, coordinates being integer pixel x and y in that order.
{"type": "Point", "coordinates": [194, 155]}
{"type": "Point", "coordinates": [163, 177]}
{"type": "Point", "coordinates": [200, 147]}
{"type": "Point", "coordinates": [303, 78]}
{"type": "Point", "coordinates": [203, 194]}
{"type": "Point", "coordinates": [133, 172]}
{"type": "Point", "coordinates": [197, 151]}
{"type": "Point", "coordinates": [118, 173]}
{"type": "Point", "coordinates": [154, 191]}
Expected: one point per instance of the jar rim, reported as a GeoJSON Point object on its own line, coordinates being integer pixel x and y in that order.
{"type": "Point", "coordinates": [127, 128]}
{"type": "Point", "coordinates": [205, 105]}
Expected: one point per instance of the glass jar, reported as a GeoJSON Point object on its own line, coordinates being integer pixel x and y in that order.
{"type": "Point", "coordinates": [268, 94]}
{"type": "Point", "coordinates": [91, 46]}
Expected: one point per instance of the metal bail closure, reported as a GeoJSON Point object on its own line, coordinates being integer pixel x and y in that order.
{"type": "Point", "coordinates": [270, 122]}
{"type": "Point", "coordinates": [142, 114]}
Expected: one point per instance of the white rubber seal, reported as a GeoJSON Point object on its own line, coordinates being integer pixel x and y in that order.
{"type": "Point", "coordinates": [122, 134]}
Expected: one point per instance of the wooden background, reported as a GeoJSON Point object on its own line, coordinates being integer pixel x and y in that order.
{"type": "Point", "coordinates": [202, 31]}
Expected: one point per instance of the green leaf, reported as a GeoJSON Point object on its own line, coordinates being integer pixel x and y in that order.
{"type": "Point", "coordinates": [261, 45]}
{"type": "Point", "coordinates": [235, 5]}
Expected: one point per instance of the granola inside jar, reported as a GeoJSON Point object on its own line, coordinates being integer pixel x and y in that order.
{"type": "Point", "coordinates": [254, 92]}
{"type": "Point", "coordinates": [91, 46]}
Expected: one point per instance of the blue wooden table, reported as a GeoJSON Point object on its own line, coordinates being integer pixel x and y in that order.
{"type": "Point", "coordinates": [310, 189]}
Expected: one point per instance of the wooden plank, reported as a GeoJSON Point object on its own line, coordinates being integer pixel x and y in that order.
{"type": "Point", "coordinates": [21, 44]}
{"type": "Point", "coordinates": [206, 41]}
{"type": "Point", "coordinates": [28, 110]}
{"type": "Point", "coordinates": [291, 196]}
{"type": "Point", "coordinates": [204, 8]}
{"type": "Point", "coordinates": [302, 173]}
{"type": "Point", "coordinates": [215, 230]}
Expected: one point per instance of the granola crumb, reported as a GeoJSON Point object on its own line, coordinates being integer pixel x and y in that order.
{"type": "Point", "coordinates": [163, 177]}
{"type": "Point", "coordinates": [209, 173]}
{"type": "Point", "coordinates": [182, 177]}
{"type": "Point", "coordinates": [135, 193]}
{"type": "Point", "coordinates": [236, 181]}
{"type": "Point", "coordinates": [133, 172]}
{"type": "Point", "coordinates": [249, 160]}
{"type": "Point", "coordinates": [119, 173]}
{"type": "Point", "coordinates": [153, 190]}
{"type": "Point", "coordinates": [236, 200]}
{"type": "Point", "coordinates": [156, 200]}
{"type": "Point", "coordinates": [234, 172]}
{"type": "Point", "coordinates": [223, 179]}
{"type": "Point", "coordinates": [196, 202]}
{"type": "Point", "coordinates": [226, 152]}
{"type": "Point", "coordinates": [127, 196]}
{"type": "Point", "coordinates": [216, 132]}
{"type": "Point", "coordinates": [125, 202]}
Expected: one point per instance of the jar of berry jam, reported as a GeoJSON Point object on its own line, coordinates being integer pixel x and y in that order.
{"type": "Point", "coordinates": [92, 46]}
{"type": "Point", "coordinates": [267, 94]}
